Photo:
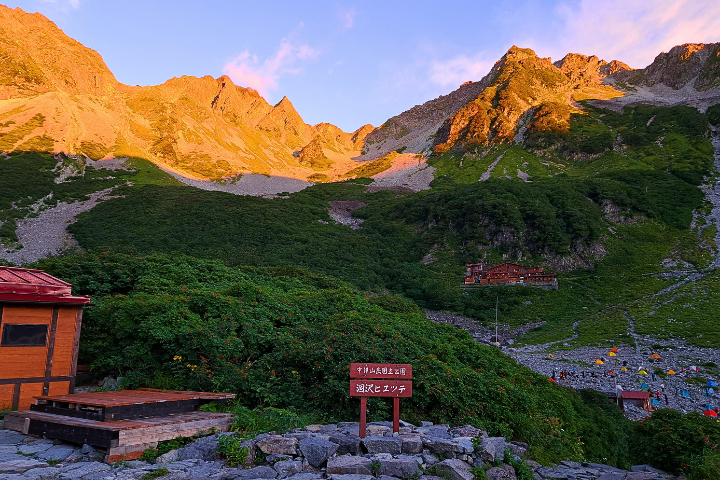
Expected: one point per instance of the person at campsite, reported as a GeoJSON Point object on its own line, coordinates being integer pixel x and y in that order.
{"type": "Point", "coordinates": [662, 387]}
{"type": "Point", "coordinates": [666, 399]}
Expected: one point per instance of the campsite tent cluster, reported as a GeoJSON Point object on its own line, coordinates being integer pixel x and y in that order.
{"type": "Point", "coordinates": [645, 390]}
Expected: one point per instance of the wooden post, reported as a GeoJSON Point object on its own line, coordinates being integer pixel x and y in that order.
{"type": "Point", "coordinates": [363, 411]}
{"type": "Point", "coordinates": [396, 414]}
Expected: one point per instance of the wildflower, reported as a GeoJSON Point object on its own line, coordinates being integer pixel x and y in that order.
{"type": "Point", "coordinates": [177, 357]}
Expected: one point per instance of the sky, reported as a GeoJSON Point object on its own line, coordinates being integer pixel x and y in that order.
{"type": "Point", "coordinates": [350, 63]}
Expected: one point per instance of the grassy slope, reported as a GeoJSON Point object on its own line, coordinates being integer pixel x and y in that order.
{"type": "Point", "coordinates": [460, 220]}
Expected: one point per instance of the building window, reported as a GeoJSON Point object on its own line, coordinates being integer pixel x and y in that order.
{"type": "Point", "coordinates": [24, 335]}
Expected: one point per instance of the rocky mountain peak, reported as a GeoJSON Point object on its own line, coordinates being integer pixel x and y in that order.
{"type": "Point", "coordinates": [698, 63]}
{"type": "Point", "coordinates": [586, 71]}
{"type": "Point", "coordinates": [36, 56]}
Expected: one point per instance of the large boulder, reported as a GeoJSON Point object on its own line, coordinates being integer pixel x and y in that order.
{"type": "Point", "coordinates": [288, 468]}
{"type": "Point", "coordinates": [492, 449]}
{"type": "Point", "coordinates": [346, 443]}
{"type": "Point", "coordinates": [347, 465]}
{"type": "Point", "coordinates": [506, 472]}
{"type": "Point", "coordinates": [391, 445]}
{"type": "Point", "coordinates": [411, 444]}
{"type": "Point", "coordinates": [317, 450]}
{"type": "Point", "coordinates": [278, 444]}
{"type": "Point", "coordinates": [454, 469]}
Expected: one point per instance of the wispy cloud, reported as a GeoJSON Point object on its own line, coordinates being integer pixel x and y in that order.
{"type": "Point", "coordinates": [458, 70]}
{"type": "Point", "coordinates": [636, 31]}
{"type": "Point", "coordinates": [247, 69]}
{"type": "Point", "coordinates": [347, 18]}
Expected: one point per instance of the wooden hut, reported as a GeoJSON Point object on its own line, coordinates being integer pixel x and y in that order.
{"type": "Point", "coordinates": [39, 336]}
{"type": "Point", "coordinates": [640, 399]}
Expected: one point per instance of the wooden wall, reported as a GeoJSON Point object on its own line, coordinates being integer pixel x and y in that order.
{"type": "Point", "coordinates": [28, 372]}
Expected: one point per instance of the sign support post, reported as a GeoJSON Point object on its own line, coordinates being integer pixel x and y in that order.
{"type": "Point", "coordinates": [363, 412]}
{"type": "Point", "coordinates": [392, 387]}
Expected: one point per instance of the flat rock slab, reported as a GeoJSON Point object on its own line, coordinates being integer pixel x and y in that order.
{"type": "Point", "coordinates": [34, 448]}
{"type": "Point", "coordinates": [351, 477]}
{"type": "Point", "coordinates": [400, 468]}
{"type": "Point", "coordinates": [10, 437]}
{"type": "Point", "coordinates": [391, 445]}
{"type": "Point", "coordinates": [348, 465]}
{"type": "Point", "coordinates": [58, 452]}
{"type": "Point", "coordinates": [454, 469]}
{"type": "Point", "coordinates": [608, 476]}
{"type": "Point", "coordinates": [278, 445]}
{"type": "Point", "coordinates": [21, 466]}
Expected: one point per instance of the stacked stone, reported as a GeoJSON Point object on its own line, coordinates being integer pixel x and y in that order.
{"type": "Point", "coordinates": [318, 452]}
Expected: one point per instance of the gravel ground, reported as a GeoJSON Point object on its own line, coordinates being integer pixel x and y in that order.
{"type": "Point", "coordinates": [46, 235]}
{"type": "Point", "coordinates": [406, 171]}
{"type": "Point", "coordinates": [249, 184]}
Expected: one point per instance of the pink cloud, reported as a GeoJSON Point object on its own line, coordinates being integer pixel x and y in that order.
{"type": "Point", "coordinates": [634, 31]}
{"type": "Point", "coordinates": [347, 18]}
{"type": "Point", "coordinates": [247, 70]}
{"type": "Point", "coordinates": [458, 70]}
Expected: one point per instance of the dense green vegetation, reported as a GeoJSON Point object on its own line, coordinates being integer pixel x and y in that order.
{"type": "Point", "coordinates": [28, 184]}
{"type": "Point", "coordinates": [285, 337]}
{"type": "Point", "coordinates": [612, 218]}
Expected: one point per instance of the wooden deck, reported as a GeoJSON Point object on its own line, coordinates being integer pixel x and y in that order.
{"type": "Point", "coordinates": [124, 423]}
{"type": "Point", "coordinates": [123, 439]}
{"type": "Point", "coordinates": [125, 404]}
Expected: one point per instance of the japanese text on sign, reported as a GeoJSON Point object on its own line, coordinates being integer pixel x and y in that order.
{"type": "Point", "coordinates": [380, 370]}
{"type": "Point", "coordinates": [380, 388]}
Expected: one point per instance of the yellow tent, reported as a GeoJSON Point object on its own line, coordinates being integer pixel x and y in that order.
{"type": "Point", "coordinates": [612, 354]}
{"type": "Point", "coordinates": [599, 362]}
{"type": "Point", "coordinates": [654, 355]}
{"type": "Point", "coordinates": [642, 372]}
{"type": "Point", "coordinates": [671, 372]}
{"type": "Point", "coordinates": [551, 356]}
{"type": "Point", "coordinates": [623, 369]}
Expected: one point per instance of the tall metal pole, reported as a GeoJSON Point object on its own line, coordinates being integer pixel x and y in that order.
{"type": "Point", "coordinates": [497, 340]}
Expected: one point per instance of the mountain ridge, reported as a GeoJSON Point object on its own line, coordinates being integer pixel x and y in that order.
{"type": "Point", "coordinates": [57, 95]}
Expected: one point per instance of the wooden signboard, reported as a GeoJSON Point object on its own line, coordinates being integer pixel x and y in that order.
{"type": "Point", "coordinates": [380, 380]}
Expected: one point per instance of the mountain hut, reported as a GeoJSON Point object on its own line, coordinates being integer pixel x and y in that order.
{"type": "Point", "coordinates": [39, 336]}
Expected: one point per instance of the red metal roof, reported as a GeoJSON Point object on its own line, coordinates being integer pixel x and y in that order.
{"type": "Point", "coordinates": [636, 395]}
{"type": "Point", "coordinates": [27, 285]}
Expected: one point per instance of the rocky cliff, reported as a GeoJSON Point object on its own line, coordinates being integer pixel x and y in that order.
{"type": "Point", "coordinates": [58, 96]}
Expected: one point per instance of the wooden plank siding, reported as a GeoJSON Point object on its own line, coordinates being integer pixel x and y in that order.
{"type": "Point", "coordinates": [28, 372]}
{"type": "Point", "coordinates": [64, 342]}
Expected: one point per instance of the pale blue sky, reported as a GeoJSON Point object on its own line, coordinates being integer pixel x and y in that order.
{"type": "Point", "coordinates": [351, 63]}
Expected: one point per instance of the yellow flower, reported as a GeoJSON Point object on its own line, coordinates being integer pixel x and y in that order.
{"type": "Point", "coordinates": [177, 357]}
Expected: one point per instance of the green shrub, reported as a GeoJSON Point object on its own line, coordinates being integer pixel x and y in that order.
{"type": "Point", "coordinates": [677, 443]}
{"type": "Point", "coordinates": [713, 114]}
{"type": "Point", "coordinates": [285, 338]}
{"type": "Point", "coordinates": [229, 448]}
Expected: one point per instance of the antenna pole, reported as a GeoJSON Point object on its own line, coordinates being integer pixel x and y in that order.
{"type": "Point", "coordinates": [497, 340]}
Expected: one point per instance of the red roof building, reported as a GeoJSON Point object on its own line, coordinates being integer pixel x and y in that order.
{"type": "Point", "coordinates": [39, 336]}
{"type": "Point", "coordinates": [641, 399]}
{"type": "Point", "coordinates": [508, 273]}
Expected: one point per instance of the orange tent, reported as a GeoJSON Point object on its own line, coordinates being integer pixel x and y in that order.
{"type": "Point", "coordinates": [614, 349]}
{"type": "Point", "coordinates": [654, 355]}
